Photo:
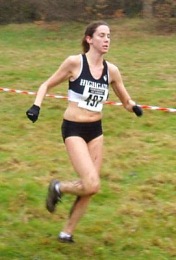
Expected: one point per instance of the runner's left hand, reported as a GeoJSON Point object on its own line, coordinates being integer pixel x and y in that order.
{"type": "Point", "coordinates": [137, 110]}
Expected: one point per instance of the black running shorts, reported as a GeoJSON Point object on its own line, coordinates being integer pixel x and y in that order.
{"type": "Point", "coordinates": [88, 131]}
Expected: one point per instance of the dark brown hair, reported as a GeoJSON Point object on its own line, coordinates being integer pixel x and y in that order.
{"type": "Point", "coordinates": [91, 28]}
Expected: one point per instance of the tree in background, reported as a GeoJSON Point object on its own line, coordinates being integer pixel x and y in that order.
{"type": "Point", "coordinates": [84, 10]}
{"type": "Point", "coordinates": [147, 8]}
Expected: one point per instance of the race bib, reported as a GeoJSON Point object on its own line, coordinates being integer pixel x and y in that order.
{"type": "Point", "coordinates": [93, 98]}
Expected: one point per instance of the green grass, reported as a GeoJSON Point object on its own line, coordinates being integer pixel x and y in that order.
{"type": "Point", "coordinates": [133, 216]}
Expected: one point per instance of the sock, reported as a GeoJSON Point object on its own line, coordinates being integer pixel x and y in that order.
{"type": "Point", "coordinates": [57, 186]}
{"type": "Point", "coordinates": [63, 235]}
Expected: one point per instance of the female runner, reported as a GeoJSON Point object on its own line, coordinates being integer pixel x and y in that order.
{"type": "Point", "coordinates": [89, 77]}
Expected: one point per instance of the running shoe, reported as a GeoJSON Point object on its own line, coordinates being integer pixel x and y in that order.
{"type": "Point", "coordinates": [53, 196]}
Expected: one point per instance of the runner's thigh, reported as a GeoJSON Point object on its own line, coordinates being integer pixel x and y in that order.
{"type": "Point", "coordinates": [96, 151]}
{"type": "Point", "coordinates": [81, 159]}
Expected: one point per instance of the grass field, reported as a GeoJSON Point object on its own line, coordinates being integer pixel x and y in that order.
{"type": "Point", "coordinates": [134, 215]}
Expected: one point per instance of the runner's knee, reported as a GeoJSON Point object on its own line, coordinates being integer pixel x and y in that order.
{"type": "Point", "coordinates": [92, 188]}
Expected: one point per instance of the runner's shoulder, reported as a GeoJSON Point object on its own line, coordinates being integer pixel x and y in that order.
{"type": "Point", "coordinates": [74, 59]}
{"type": "Point", "coordinates": [112, 67]}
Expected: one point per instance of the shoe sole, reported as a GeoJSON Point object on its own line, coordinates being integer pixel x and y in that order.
{"type": "Point", "coordinates": [66, 240]}
{"type": "Point", "coordinates": [52, 196]}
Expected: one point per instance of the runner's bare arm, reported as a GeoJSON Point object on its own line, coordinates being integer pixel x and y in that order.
{"type": "Point", "coordinates": [119, 88]}
{"type": "Point", "coordinates": [64, 72]}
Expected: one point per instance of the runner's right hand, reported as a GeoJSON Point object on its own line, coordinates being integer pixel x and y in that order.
{"type": "Point", "coordinates": [33, 113]}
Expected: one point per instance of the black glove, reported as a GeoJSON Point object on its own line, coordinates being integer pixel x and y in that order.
{"type": "Point", "coordinates": [33, 113]}
{"type": "Point", "coordinates": [137, 110]}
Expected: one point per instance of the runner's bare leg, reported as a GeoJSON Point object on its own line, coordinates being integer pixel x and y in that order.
{"type": "Point", "coordinates": [87, 164]}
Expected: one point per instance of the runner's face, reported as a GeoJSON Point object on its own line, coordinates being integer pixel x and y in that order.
{"type": "Point", "coordinates": [100, 39]}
